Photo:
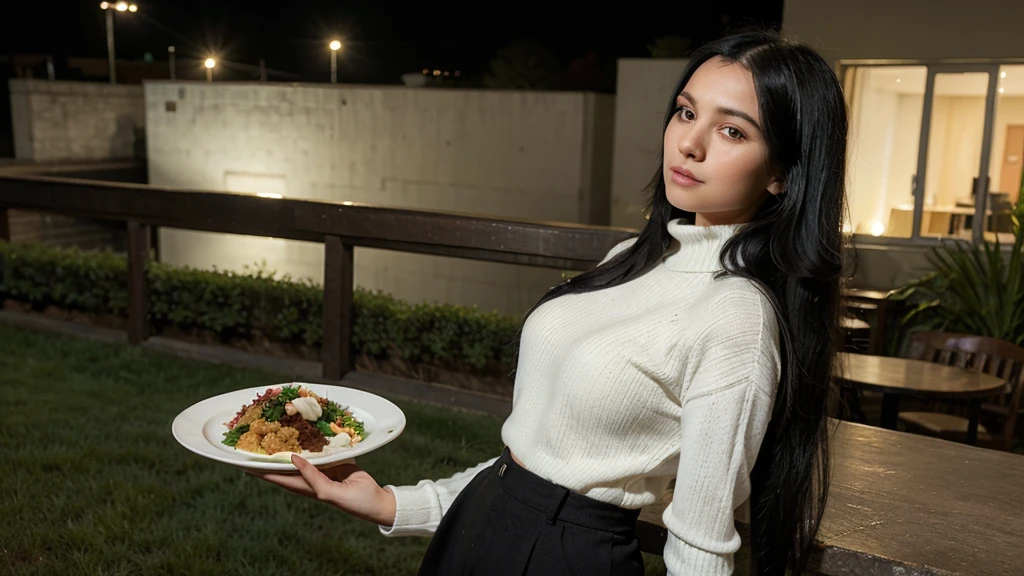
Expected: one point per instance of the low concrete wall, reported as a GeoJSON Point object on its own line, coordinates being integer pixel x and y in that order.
{"type": "Point", "coordinates": [61, 121]}
{"type": "Point", "coordinates": [642, 95]}
{"type": "Point", "coordinates": [521, 154]}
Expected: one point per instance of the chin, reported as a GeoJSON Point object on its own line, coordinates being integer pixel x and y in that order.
{"type": "Point", "coordinates": [682, 200]}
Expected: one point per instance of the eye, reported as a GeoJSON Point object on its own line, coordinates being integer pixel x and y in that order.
{"type": "Point", "coordinates": [685, 113]}
{"type": "Point", "coordinates": [732, 133]}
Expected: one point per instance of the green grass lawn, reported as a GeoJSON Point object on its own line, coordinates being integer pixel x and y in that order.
{"type": "Point", "coordinates": [92, 482]}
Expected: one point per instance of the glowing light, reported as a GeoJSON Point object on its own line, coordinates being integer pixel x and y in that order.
{"type": "Point", "coordinates": [877, 229]}
{"type": "Point", "coordinates": [210, 63]}
{"type": "Point", "coordinates": [133, 8]}
{"type": "Point", "coordinates": [269, 195]}
{"type": "Point", "coordinates": [121, 6]}
{"type": "Point", "coordinates": [335, 45]}
{"type": "Point", "coordinates": [104, 5]}
{"type": "Point", "coordinates": [1002, 74]}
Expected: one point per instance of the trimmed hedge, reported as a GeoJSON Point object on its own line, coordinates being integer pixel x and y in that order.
{"type": "Point", "coordinates": [255, 305]}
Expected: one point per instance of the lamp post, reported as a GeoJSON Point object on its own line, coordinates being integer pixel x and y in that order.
{"type": "Point", "coordinates": [170, 60]}
{"type": "Point", "coordinates": [335, 46]}
{"type": "Point", "coordinates": [210, 63]}
{"type": "Point", "coordinates": [109, 9]}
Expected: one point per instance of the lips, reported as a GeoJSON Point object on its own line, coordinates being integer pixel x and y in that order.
{"type": "Point", "coordinates": [686, 173]}
{"type": "Point", "coordinates": [683, 177]}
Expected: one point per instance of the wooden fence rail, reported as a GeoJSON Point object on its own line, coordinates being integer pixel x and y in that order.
{"type": "Point", "coordinates": [339, 226]}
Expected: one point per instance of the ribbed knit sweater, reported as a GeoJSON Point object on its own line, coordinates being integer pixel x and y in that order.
{"type": "Point", "coordinates": [671, 375]}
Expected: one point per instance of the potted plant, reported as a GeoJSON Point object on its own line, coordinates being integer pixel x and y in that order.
{"type": "Point", "coordinates": [974, 289]}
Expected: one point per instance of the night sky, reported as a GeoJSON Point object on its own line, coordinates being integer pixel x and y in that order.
{"type": "Point", "coordinates": [382, 39]}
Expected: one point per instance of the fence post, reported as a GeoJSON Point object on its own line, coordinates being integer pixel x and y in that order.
{"type": "Point", "coordinates": [5, 224]}
{"type": "Point", "coordinates": [337, 336]}
{"type": "Point", "coordinates": [138, 295]}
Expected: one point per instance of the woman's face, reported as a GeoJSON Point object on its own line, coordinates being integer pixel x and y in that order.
{"type": "Point", "coordinates": [716, 157]}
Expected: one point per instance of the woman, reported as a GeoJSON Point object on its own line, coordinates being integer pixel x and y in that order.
{"type": "Point", "coordinates": [699, 352]}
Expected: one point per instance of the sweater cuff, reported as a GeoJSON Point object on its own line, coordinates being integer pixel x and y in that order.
{"type": "Point", "coordinates": [682, 559]}
{"type": "Point", "coordinates": [416, 513]}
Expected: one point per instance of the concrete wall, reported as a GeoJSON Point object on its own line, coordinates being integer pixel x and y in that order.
{"type": "Point", "coordinates": [533, 155]}
{"type": "Point", "coordinates": [60, 121]}
{"type": "Point", "coordinates": [643, 93]}
{"type": "Point", "coordinates": [907, 28]}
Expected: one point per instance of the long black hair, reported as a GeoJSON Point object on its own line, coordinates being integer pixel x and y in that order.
{"type": "Point", "coordinates": [792, 251]}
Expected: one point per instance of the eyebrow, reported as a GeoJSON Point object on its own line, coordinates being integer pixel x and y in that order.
{"type": "Point", "coordinates": [727, 111]}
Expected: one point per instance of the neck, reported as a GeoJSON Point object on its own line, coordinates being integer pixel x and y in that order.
{"type": "Point", "coordinates": [696, 248]}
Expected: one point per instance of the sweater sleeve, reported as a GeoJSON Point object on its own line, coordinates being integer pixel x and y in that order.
{"type": "Point", "coordinates": [733, 371]}
{"type": "Point", "coordinates": [419, 508]}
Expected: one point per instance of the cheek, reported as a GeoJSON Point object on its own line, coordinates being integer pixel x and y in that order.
{"type": "Point", "coordinates": [744, 169]}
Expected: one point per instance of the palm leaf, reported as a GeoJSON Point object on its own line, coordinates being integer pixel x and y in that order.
{"type": "Point", "coordinates": [972, 289]}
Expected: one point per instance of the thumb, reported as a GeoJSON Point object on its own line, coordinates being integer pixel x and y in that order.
{"type": "Point", "coordinates": [322, 486]}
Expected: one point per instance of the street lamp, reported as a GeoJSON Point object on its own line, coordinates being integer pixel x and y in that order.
{"type": "Point", "coordinates": [210, 63]}
{"type": "Point", "coordinates": [335, 45]}
{"type": "Point", "coordinates": [109, 9]}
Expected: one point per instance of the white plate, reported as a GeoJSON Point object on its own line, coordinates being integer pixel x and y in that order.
{"type": "Point", "coordinates": [200, 427]}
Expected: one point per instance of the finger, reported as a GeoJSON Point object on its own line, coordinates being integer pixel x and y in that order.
{"type": "Point", "coordinates": [322, 486]}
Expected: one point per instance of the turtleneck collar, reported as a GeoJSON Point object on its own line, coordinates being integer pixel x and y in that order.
{"type": "Point", "coordinates": [697, 248]}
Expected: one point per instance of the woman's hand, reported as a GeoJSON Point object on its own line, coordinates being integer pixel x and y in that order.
{"type": "Point", "coordinates": [344, 485]}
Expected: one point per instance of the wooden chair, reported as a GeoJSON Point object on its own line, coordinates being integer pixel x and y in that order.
{"type": "Point", "coordinates": [998, 418]}
{"type": "Point", "coordinates": [856, 335]}
{"type": "Point", "coordinates": [857, 339]}
{"type": "Point", "coordinates": [875, 307]}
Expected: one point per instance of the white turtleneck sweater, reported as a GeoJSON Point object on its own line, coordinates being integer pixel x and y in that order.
{"type": "Point", "coordinates": [618, 391]}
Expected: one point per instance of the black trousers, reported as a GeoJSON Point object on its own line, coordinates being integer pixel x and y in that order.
{"type": "Point", "coordinates": [510, 521]}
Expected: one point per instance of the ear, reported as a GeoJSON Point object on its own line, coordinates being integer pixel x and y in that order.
{"type": "Point", "coordinates": [777, 186]}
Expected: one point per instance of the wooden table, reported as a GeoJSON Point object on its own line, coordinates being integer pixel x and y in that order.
{"type": "Point", "coordinates": [907, 504]}
{"type": "Point", "coordinates": [896, 377]}
{"type": "Point", "coordinates": [936, 221]}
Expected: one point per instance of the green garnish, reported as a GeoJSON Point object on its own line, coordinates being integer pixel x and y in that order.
{"type": "Point", "coordinates": [351, 422]}
{"type": "Point", "coordinates": [274, 408]}
{"type": "Point", "coordinates": [332, 412]}
{"type": "Point", "coordinates": [325, 428]}
{"type": "Point", "coordinates": [231, 436]}
{"type": "Point", "coordinates": [288, 393]}
{"type": "Point", "coordinates": [272, 411]}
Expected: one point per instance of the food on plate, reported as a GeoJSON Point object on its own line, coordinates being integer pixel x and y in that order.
{"type": "Point", "coordinates": [288, 419]}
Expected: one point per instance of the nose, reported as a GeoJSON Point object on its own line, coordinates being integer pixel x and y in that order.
{"type": "Point", "coordinates": [692, 145]}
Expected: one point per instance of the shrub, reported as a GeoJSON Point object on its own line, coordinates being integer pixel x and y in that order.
{"type": "Point", "coordinates": [255, 305]}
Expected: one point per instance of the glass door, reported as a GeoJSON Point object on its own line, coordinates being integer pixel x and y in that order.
{"type": "Point", "coordinates": [1007, 165]}
{"type": "Point", "coordinates": [885, 103]}
{"type": "Point", "coordinates": [951, 184]}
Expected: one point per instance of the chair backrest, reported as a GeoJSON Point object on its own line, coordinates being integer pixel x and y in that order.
{"type": "Point", "coordinates": [991, 356]}
{"type": "Point", "coordinates": [856, 334]}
